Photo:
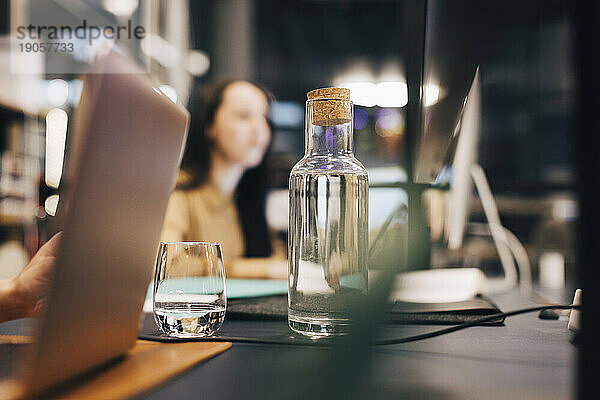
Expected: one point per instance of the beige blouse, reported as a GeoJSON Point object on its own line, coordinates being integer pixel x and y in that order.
{"type": "Point", "coordinates": [205, 214]}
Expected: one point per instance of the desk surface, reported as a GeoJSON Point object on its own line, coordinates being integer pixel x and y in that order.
{"type": "Point", "coordinates": [527, 358]}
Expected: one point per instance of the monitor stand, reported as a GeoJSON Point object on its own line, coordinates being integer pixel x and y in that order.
{"type": "Point", "coordinates": [443, 285]}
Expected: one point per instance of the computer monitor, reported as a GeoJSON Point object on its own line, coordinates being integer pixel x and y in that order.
{"type": "Point", "coordinates": [448, 68]}
{"type": "Point", "coordinates": [465, 155]}
{"type": "Point", "coordinates": [449, 124]}
{"type": "Point", "coordinates": [447, 119]}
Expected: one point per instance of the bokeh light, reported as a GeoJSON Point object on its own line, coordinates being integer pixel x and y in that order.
{"type": "Point", "coordinates": [389, 123]}
{"type": "Point", "coordinates": [360, 118]}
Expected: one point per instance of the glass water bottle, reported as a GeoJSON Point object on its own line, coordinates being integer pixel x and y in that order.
{"type": "Point", "coordinates": [328, 229]}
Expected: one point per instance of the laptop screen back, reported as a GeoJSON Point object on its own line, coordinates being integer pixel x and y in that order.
{"type": "Point", "coordinates": [127, 147]}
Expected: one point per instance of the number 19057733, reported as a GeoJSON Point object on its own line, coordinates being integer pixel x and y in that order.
{"type": "Point", "coordinates": [55, 47]}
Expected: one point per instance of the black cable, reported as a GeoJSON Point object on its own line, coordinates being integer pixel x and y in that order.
{"type": "Point", "coordinates": [385, 342]}
{"type": "Point", "coordinates": [469, 324]}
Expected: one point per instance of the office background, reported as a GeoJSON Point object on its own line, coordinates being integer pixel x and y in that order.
{"type": "Point", "coordinates": [528, 89]}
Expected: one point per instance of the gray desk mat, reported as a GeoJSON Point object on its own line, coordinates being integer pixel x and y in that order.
{"type": "Point", "coordinates": [273, 310]}
{"type": "Point", "coordinates": [275, 307]}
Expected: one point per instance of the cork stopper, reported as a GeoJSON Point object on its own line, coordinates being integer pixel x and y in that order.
{"type": "Point", "coordinates": [330, 106]}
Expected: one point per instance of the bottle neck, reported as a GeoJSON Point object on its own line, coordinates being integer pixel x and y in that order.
{"type": "Point", "coordinates": [329, 140]}
{"type": "Point", "coordinates": [329, 127]}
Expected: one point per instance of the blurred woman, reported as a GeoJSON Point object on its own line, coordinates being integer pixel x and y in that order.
{"type": "Point", "coordinates": [222, 190]}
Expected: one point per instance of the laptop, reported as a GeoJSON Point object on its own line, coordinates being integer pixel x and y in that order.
{"type": "Point", "coordinates": [127, 143]}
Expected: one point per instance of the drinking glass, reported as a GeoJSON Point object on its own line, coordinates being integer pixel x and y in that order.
{"type": "Point", "coordinates": [189, 297]}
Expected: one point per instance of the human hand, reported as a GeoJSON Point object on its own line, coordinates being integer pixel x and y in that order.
{"type": "Point", "coordinates": [24, 294]}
